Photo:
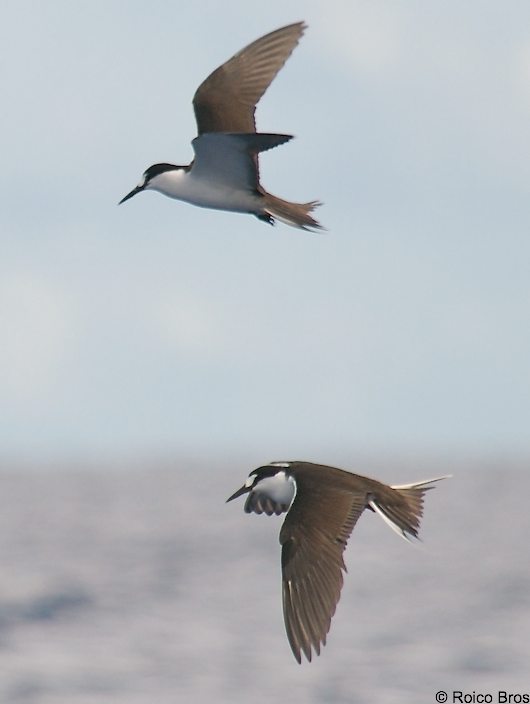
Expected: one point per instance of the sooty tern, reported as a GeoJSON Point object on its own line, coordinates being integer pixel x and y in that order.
{"type": "Point", "coordinates": [225, 174]}
{"type": "Point", "coordinates": [323, 505]}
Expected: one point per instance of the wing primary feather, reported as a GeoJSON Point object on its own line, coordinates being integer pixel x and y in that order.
{"type": "Point", "coordinates": [292, 636]}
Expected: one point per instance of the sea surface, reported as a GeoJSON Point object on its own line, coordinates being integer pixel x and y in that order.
{"type": "Point", "coordinates": [141, 586]}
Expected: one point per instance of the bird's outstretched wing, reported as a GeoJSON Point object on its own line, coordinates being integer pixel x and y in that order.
{"type": "Point", "coordinates": [231, 159]}
{"type": "Point", "coordinates": [312, 562]}
{"type": "Point", "coordinates": [226, 100]}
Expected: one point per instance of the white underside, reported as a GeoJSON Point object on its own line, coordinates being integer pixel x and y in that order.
{"type": "Point", "coordinates": [279, 488]}
{"type": "Point", "coordinates": [183, 185]}
{"type": "Point", "coordinates": [223, 174]}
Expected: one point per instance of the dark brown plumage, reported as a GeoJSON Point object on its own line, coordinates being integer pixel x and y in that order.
{"type": "Point", "coordinates": [323, 505]}
{"type": "Point", "coordinates": [226, 100]}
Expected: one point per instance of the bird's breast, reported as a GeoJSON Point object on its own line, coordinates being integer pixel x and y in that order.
{"type": "Point", "coordinates": [181, 184]}
{"type": "Point", "coordinates": [272, 495]}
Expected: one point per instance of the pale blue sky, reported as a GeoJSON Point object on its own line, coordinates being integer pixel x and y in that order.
{"type": "Point", "coordinates": [157, 327]}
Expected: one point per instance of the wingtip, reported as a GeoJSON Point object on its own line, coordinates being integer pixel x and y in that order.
{"type": "Point", "coordinates": [301, 25]}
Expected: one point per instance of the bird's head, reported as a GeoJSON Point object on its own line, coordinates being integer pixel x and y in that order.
{"type": "Point", "coordinates": [151, 178]}
{"type": "Point", "coordinates": [270, 488]}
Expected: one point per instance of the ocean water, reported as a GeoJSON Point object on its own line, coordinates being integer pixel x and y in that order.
{"type": "Point", "coordinates": [142, 586]}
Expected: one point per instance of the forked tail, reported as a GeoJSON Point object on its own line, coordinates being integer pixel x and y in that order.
{"type": "Point", "coordinates": [402, 510]}
{"type": "Point", "coordinates": [294, 214]}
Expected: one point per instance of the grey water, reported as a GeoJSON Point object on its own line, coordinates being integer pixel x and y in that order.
{"type": "Point", "coordinates": [141, 586]}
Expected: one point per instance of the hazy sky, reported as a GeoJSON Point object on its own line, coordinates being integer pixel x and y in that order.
{"type": "Point", "coordinates": [158, 327]}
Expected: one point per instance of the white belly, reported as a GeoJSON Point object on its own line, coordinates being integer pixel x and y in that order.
{"type": "Point", "coordinates": [182, 185]}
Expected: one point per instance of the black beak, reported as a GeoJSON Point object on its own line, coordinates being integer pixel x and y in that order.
{"type": "Point", "coordinates": [239, 492]}
{"type": "Point", "coordinates": [131, 194]}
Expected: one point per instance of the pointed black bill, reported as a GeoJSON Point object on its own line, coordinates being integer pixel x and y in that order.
{"type": "Point", "coordinates": [244, 490]}
{"type": "Point", "coordinates": [131, 194]}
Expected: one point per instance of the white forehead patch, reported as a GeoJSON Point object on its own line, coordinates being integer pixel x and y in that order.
{"type": "Point", "coordinates": [280, 464]}
{"type": "Point", "coordinates": [250, 481]}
